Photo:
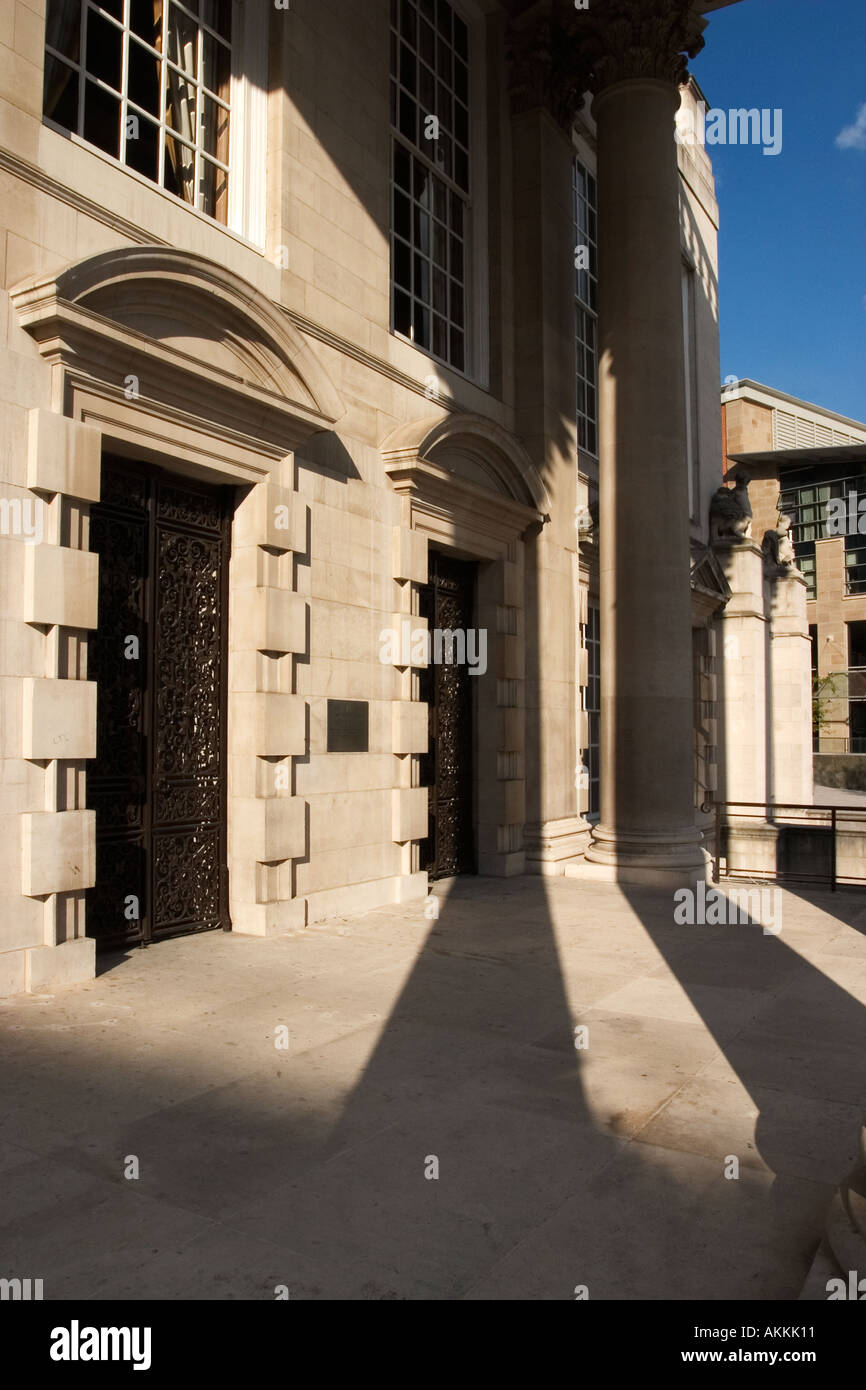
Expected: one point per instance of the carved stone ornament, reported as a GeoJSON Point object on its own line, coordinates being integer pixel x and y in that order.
{"type": "Point", "coordinates": [780, 558]}
{"type": "Point", "coordinates": [731, 512]}
{"type": "Point", "coordinates": [547, 68]}
{"type": "Point", "coordinates": [558, 53]}
{"type": "Point", "coordinates": [642, 38]}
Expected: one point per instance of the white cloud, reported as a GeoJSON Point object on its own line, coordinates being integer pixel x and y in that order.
{"type": "Point", "coordinates": [853, 137]}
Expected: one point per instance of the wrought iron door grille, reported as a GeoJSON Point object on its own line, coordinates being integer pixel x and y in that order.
{"type": "Point", "coordinates": [158, 656]}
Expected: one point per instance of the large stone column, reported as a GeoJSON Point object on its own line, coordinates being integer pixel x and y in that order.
{"type": "Point", "coordinates": [742, 626]}
{"type": "Point", "coordinates": [790, 677]}
{"type": "Point", "coordinates": [647, 831]}
{"type": "Point", "coordinates": [542, 105]}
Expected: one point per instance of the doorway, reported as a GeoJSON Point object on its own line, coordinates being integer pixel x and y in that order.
{"type": "Point", "coordinates": [447, 601]}
{"type": "Point", "coordinates": [159, 657]}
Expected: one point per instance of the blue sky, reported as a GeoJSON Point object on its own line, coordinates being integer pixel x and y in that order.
{"type": "Point", "coordinates": [793, 225]}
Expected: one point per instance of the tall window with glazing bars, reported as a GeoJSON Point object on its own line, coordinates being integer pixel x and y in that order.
{"type": "Point", "coordinates": [586, 307]}
{"type": "Point", "coordinates": [147, 82]}
{"type": "Point", "coordinates": [430, 207]}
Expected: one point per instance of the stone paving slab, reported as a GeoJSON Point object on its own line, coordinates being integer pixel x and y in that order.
{"type": "Point", "coordinates": [419, 1045]}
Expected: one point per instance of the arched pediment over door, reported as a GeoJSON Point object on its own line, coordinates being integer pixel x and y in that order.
{"type": "Point", "coordinates": [175, 335]}
{"type": "Point", "coordinates": [468, 482]}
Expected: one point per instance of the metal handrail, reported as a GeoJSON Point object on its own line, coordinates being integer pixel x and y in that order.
{"type": "Point", "coordinates": [770, 810]}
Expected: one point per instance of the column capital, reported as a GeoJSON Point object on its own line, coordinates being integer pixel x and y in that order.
{"type": "Point", "coordinates": [548, 67]}
{"type": "Point", "coordinates": [642, 38]}
{"type": "Point", "coordinates": [557, 53]}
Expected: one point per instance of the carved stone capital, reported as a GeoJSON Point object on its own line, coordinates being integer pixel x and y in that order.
{"type": "Point", "coordinates": [547, 67]}
{"type": "Point", "coordinates": [556, 53]}
{"type": "Point", "coordinates": [642, 38]}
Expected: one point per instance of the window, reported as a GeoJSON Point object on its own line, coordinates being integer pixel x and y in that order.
{"type": "Point", "coordinates": [586, 312]}
{"type": "Point", "coordinates": [807, 508]}
{"type": "Point", "coordinates": [430, 177]}
{"type": "Point", "coordinates": [855, 565]}
{"type": "Point", "coordinates": [691, 389]}
{"type": "Point", "coordinates": [805, 496]}
{"type": "Point", "coordinates": [592, 705]}
{"type": "Point", "coordinates": [149, 83]}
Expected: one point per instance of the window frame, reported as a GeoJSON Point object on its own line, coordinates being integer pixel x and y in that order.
{"type": "Point", "coordinates": [584, 308]}
{"type": "Point", "coordinates": [691, 383]}
{"type": "Point", "coordinates": [247, 104]}
{"type": "Point", "coordinates": [591, 702]}
{"type": "Point", "coordinates": [476, 353]}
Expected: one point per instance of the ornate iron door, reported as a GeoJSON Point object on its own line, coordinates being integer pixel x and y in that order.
{"type": "Point", "coordinates": [158, 656]}
{"type": "Point", "coordinates": [447, 602]}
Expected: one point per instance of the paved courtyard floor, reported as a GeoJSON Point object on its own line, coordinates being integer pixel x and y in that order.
{"type": "Point", "coordinates": [417, 1046]}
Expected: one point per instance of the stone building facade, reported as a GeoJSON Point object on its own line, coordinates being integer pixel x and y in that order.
{"type": "Point", "coordinates": [810, 463]}
{"type": "Point", "coordinates": [328, 326]}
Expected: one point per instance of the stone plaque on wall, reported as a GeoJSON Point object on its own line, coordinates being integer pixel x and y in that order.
{"type": "Point", "coordinates": [348, 726]}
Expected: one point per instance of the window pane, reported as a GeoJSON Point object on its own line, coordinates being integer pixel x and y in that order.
{"type": "Point", "coordinates": [443, 155]}
{"type": "Point", "coordinates": [63, 27]}
{"type": "Point", "coordinates": [457, 303]}
{"type": "Point", "coordinates": [440, 246]}
{"type": "Point", "coordinates": [422, 325]}
{"type": "Point", "coordinates": [217, 66]}
{"type": "Point", "coordinates": [218, 14]}
{"type": "Point", "coordinates": [215, 129]}
{"type": "Point", "coordinates": [402, 313]}
{"type": "Point", "coordinates": [407, 21]}
{"type": "Point", "coordinates": [145, 19]}
{"type": "Point", "coordinates": [423, 184]}
{"type": "Point", "coordinates": [422, 278]}
{"type": "Point", "coordinates": [180, 104]}
{"type": "Point", "coordinates": [402, 265]}
{"type": "Point", "coordinates": [443, 106]}
{"type": "Point", "coordinates": [102, 119]}
{"type": "Point", "coordinates": [401, 215]}
{"type": "Point", "coordinates": [179, 171]}
{"type": "Point", "coordinates": [182, 40]}
{"type": "Point", "coordinates": [144, 78]}
{"type": "Point", "coordinates": [461, 38]}
{"type": "Point", "coordinates": [457, 257]}
{"type": "Point", "coordinates": [60, 93]}
{"type": "Point", "coordinates": [104, 49]}
{"type": "Point", "coordinates": [461, 123]}
{"type": "Point", "coordinates": [402, 168]}
{"type": "Point", "coordinates": [213, 190]}
{"type": "Point", "coordinates": [427, 91]}
{"type": "Point", "coordinates": [408, 72]}
{"type": "Point", "coordinates": [443, 61]}
{"type": "Point", "coordinates": [407, 117]}
{"type": "Point", "coordinates": [440, 291]}
{"type": "Point", "coordinates": [461, 169]}
{"type": "Point", "coordinates": [461, 81]}
{"type": "Point", "coordinates": [142, 146]}
{"type": "Point", "coordinates": [113, 7]}
{"type": "Point", "coordinates": [440, 337]}
{"type": "Point", "coordinates": [427, 45]}
{"type": "Point", "coordinates": [422, 231]}
{"type": "Point", "coordinates": [457, 347]}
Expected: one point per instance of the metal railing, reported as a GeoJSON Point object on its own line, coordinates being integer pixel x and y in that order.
{"type": "Point", "coordinates": [795, 822]}
{"type": "Point", "coordinates": [825, 743]}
